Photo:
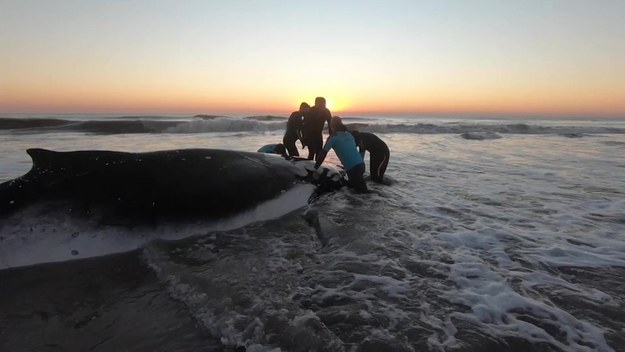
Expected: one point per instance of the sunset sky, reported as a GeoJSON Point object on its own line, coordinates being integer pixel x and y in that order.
{"type": "Point", "coordinates": [403, 56]}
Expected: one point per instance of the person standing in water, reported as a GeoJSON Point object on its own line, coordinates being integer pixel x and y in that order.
{"type": "Point", "coordinates": [314, 121]}
{"type": "Point", "coordinates": [378, 153]}
{"type": "Point", "coordinates": [344, 146]}
{"type": "Point", "coordinates": [294, 129]}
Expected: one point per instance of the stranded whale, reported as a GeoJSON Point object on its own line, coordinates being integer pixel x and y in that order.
{"type": "Point", "coordinates": [205, 183]}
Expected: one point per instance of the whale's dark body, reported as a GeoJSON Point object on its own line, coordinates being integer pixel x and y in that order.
{"type": "Point", "coordinates": [207, 183]}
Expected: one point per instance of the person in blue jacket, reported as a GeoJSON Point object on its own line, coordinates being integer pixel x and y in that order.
{"type": "Point", "coordinates": [344, 146]}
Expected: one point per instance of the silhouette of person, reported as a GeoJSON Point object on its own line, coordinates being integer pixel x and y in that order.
{"type": "Point", "coordinates": [294, 129]}
{"type": "Point", "coordinates": [344, 146]}
{"type": "Point", "coordinates": [314, 121]}
{"type": "Point", "coordinates": [273, 149]}
{"type": "Point", "coordinates": [378, 153]}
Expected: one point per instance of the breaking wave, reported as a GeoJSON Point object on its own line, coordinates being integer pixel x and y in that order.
{"type": "Point", "coordinates": [213, 123]}
{"type": "Point", "coordinates": [473, 128]}
{"type": "Point", "coordinates": [225, 125]}
{"type": "Point", "coordinates": [480, 136]}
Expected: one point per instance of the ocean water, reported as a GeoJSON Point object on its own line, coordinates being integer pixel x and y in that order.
{"type": "Point", "coordinates": [494, 235]}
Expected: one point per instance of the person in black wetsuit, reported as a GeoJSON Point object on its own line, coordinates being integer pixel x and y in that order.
{"type": "Point", "coordinates": [314, 121]}
{"type": "Point", "coordinates": [294, 129]}
{"type": "Point", "coordinates": [378, 153]}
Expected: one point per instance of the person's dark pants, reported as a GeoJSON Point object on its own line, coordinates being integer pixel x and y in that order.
{"type": "Point", "coordinates": [356, 180]}
{"type": "Point", "coordinates": [314, 143]}
{"type": "Point", "coordinates": [289, 143]}
{"type": "Point", "coordinates": [378, 164]}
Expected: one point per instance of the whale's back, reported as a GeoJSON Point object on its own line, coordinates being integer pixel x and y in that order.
{"type": "Point", "coordinates": [187, 182]}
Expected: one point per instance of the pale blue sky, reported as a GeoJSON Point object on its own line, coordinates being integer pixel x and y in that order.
{"type": "Point", "coordinates": [559, 56]}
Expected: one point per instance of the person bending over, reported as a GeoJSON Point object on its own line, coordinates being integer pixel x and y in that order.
{"type": "Point", "coordinates": [345, 148]}
{"type": "Point", "coordinates": [314, 121]}
{"type": "Point", "coordinates": [294, 129]}
{"type": "Point", "coordinates": [273, 149]}
{"type": "Point", "coordinates": [378, 153]}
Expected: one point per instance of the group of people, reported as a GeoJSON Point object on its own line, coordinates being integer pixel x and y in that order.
{"type": "Point", "coordinates": [306, 125]}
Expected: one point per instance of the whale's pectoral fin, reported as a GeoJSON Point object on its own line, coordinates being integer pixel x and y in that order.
{"type": "Point", "coordinates": [312, 218]}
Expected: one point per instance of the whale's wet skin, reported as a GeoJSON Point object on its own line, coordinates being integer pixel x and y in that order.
{"type": "Point", "coordinates": [181, 183]}
{"type": "Point", "coordinates": [513, 243]}
{"type": "Point", "coordinates": [211, 188]}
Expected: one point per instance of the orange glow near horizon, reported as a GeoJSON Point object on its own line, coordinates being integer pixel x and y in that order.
{"type": "Point", "coordinates": [45, 89]}
{"type": "Point", "coordinates": [102, 94]}
{"type": "Point", "coordinates": [155, 104]}
{"type": "Point", "coordinates": [418, 100]}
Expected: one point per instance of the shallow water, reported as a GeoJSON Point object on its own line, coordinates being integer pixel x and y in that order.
{"type": "Point", "coordinates": [513, 243]}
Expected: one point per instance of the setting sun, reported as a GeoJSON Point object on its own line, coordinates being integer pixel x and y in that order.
{"type": "Point", "coordinates": [335, 105]}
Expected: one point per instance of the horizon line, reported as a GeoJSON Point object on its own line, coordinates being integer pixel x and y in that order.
{"type": "Point", "coordinates": [467, 114]}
